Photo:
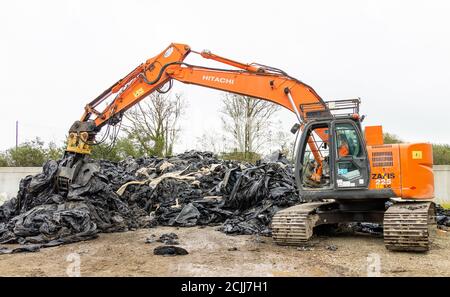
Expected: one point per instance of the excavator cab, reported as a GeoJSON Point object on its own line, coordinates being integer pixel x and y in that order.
{"type": "Point", "coordinates": [340, 172]}
{"type": "Point", "coordinates": [336, 147]}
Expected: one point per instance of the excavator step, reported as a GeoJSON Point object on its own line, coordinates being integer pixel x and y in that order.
{"type": "Point", "coordinates": [407, 226]}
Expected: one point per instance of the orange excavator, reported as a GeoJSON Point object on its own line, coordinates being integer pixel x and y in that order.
{"type": "Point", "coordinates": [344, 173]}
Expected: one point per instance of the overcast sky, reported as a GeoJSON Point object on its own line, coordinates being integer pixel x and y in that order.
{"type": "Point", "coordinates": [55, 56]}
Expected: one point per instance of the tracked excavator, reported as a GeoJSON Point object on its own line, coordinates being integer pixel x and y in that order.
{"type": "Point", "coordinates": [344, 173]}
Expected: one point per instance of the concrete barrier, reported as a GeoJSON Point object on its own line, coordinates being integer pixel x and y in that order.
{"type": "Point", "coordinates": [442, 185]}
{"type": "Point", "coordinates": [11, 176]}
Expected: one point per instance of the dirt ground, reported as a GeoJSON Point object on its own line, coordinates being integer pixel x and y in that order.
{"type": "Point", "coordinates": [212, 253]}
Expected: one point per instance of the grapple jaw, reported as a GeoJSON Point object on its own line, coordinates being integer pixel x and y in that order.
{"type": "Point", "coordinates": [74, 169]}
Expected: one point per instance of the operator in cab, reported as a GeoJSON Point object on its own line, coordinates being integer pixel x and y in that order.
{"type": "Point", "coordinates": [343, 149]}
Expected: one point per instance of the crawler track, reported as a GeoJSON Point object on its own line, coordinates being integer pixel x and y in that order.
{"type": "Point", "coordinates": [294, 225]}
{"type": "Point", "coordinates": [407, 226]}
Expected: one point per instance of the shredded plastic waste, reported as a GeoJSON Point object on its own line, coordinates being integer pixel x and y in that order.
{"type": "Point", "coordinates": [442, 216]}
{"type": "Point", "coordinates": [190, 189]}
{"type": "Point", "coordinates": [168, 239]}
{"type": "Point", "coordinates": [194, 188]}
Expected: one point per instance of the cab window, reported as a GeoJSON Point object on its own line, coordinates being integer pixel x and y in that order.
{"type": "Point", "coordinates": [349, 151]}
{"type": "Point", "coordinates": [347, 140]}
{"type": "Point", "coordinates": [315, 163]}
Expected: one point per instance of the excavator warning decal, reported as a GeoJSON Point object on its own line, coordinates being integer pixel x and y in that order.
{"type": "Point", "coordinates": [138, 92]}
{"type": "Point", "coordinates": [417, 155]}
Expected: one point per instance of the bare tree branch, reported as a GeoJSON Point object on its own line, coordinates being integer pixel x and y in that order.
{"type": "Point", "coordinates": [247, 120]}
{"type": "Point", "coordinates": [153, 123]}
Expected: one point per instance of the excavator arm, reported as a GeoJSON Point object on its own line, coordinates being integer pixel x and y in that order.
{"type": "Point", "coordinates": [254, 80]}
{"type": "Point", "coordinates": [257, 81]}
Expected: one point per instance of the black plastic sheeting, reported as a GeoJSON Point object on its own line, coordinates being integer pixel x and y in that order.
{"type": "Point", "coordinates": [239, 197]}
{"type": "Point", "coordinates": [442, 216]}
{"type": "Point", "coordinates": [442, 221]}
{"type": "Point", "coordinates": [169, 250]}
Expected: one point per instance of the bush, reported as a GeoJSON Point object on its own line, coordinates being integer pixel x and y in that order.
{"type": "Point", "coordinates": [53, 152]}
{"type": "Point", "coordinates": [241, 156]}
{"type": "Point", "coordinates": [3, 160]}
{"type": "Point", "coordinates": [391, 138]}
{"type": "Point", "coordinates": [126, 147]}
{"type": "Point", "coordinates": [28, 154]}
{"type": "Point", "coordinates": [105, 151]}
{"type": "Point", "coordinates": [441, 154]}
{"type": "Point", "coordinates": [123, 148]}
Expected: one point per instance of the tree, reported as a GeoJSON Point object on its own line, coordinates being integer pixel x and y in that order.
{"type": "Point", "coordinates": [53, 152]}
{"type": "Point", "coordinates": [126, 148]}
{"type": "Point", "coordinates": [105, 151]}
{"type": "Point", "coordinates": [391, 138]}
{"type": "Point", "coordinates": [283, 141]}
{"type": "Point", "coordinates": [153, 124]}
{"type": "Point", "coordinates": [122, 148]}
{"type": "Point", "coordinates": [212, 141]}
{"type": "Point", "coordinates": [35, 153]}
{"type": "Point", "coordinates": [247, 121]}
{"type": "Point", "coordinates": [441, 152]}
{"type": "Point", "coordinates": [30, 153]}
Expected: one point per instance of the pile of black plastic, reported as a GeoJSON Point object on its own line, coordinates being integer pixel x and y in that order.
{"type": "Point", "coordinates": [443, 217]}
{"type": "Point", "coordinates": [194, 188]}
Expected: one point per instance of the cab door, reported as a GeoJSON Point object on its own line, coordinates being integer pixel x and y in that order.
{"type": "Point", "coordinates": [351, 170]}
{"type": "Point", "coordinates": [313, 170]}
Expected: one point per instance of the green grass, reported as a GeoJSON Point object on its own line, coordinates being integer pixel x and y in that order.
{"type": "Point", "coordinates": [445, 205]}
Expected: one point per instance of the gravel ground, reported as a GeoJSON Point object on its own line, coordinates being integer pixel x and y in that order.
{"type": "Point", "coordinates": [213, 253]}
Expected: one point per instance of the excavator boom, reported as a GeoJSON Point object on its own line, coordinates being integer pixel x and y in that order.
{"type": "Point", "coordinates": [262, 82]}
